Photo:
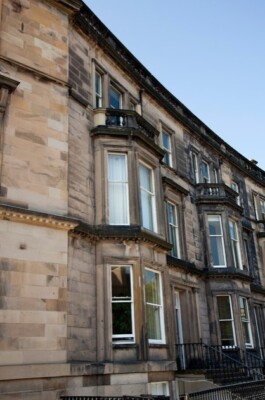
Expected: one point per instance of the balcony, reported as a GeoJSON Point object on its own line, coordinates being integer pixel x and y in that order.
{"type": "Point", "coordinates": [124, 120]}
{"type": "Point", "coordinates": [212, 193]}
{"type": "Point", "coordinates": [126, 124]}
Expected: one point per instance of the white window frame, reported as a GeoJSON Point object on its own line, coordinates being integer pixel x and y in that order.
{"type": "Point", "coordinates": [235, 245]}
{"type": "Point", "coordinates": [205, 178]}
{"type": "Point", "coordinates": [117, 182]}
{"type": "Point", "coordinates": [159, 306]}
{"type": "Point", "coordinates": [195, 168]}
{"type": "Point", "coordinates": [219, 218]}
{"type": "Point", "coordinates": [98, 95]}
{"type": "Point", "coordinates": [124, 338]}
{"type": "Point", "coordinates": [168, 156]}
{"type": "Point", "coordinates": [227, 320]}
{"type": "Point", "coordinates": [151, 195]}
{"type": "Point", "coordinates": [159, 388]}
{"type": "Point", "coordinates": [174, 238]}
{"type": "Point", "coordinates": [243, 304]}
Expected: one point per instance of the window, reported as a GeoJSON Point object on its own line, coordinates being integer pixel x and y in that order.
{"type": "Point", "coordinates": [235, 244]}
{"type": "Point", "coordinates": [235, 187]}
{"type": "Point", "coordinates": [154, 307]}
{"type": "Point", "coordinates": [256, 209]}
{"type": "Point", "coordinates": [194, 160]}
{"type": "Point", "coordinates": [122, 304]}
{"type": "Point", "coordinates": [147, 197]}
{"type": "Point", "coordinates": [246, 254]}
{"type": "Point", "coordinates": [226, 321]}
{"type": "Point", "coordinates": [98, 89]}
{"type": "Point", "coordinates": [159, 388]}
{"type": "Point", "coordinates": [215, 175]}
{"type": "Point", "coordinates": [245, 321]}
{"type": "Point", "coordinates": [118, 189]}
{"type": "Point", "coordinates": [216, 240]}
{"type": "Point", "coordinates": [205, 172]}
{"type": "Point", "coordinates": [115, 98]}
{"type": "Point", "coordinates": [166, 144]}
{"type": "Point", "coordinates": [262, 209]}
{"type": "Point", "coordinates": [173, 229]}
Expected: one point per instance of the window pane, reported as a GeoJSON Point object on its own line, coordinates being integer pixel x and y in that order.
{"type": "Point", "coordinates": [121, 282]}
{"type": "Point", "coordinates": [227, 335]}
{"type": "Point", "coordinates": [154, 306]}
{"type": "Point", "coordinates": [152, 289]}
{"type": "Point", "coordinates": [118, 189]}
{"type": "Point", "coordinates": [122, 304]}
{"type": "Point", "coordinates": [216, 240]}
{"type": "Point", "coordinates": [117, 167]}
{"type": "Point", "coordinates": [115, 98]}
{"type": "Point", "coordinates": [153, 322]}
{"type": "Point", "coordinates": [121, 318]}
{"type": "Point", "coordinates": [173, 229]}
{"type": "Point", "coordinates": [226, 321]}
{"type": "Point", "coordinates": [217, 250]}
{"type": "Point", "coordinates": [145, 178]}
{"type": "Point", "coordinates": [224, 307]}
{"type": "Point", "coordinates": [214, 225]}
{"type": "Point", "coordinates": [147, 212]}
{"type": "Point", "coordinates": [147, 197]}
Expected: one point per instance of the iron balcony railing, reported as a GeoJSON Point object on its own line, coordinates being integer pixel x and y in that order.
{"type": "Point", "coordinates": [141, 397]}
{"type": "Point", "coordinates": [243, 391]}
{"type": "Point", "coordinates": [223, 366]}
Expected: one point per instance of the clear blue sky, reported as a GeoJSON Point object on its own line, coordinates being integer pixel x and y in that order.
{"type": "Point", "coordinates": [209, 53]}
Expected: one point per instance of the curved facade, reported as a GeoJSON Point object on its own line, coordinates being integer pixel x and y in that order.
{"type": "Point", "coordinates": [132, 236]}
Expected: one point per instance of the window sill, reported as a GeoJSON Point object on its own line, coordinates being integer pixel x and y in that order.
{"type": "Point", "coordinates": [124, 345]}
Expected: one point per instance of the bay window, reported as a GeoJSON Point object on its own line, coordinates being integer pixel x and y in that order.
{"type": "Point", "coordinates": [173, 229]}
{"type": "Point", "coordinates": [118, 189]}
{"type": "Point", "coordinates": [216, 240]}
{"type": "Point", "coordinates": [235, 245]}
{"type": "Point", "coordinates": [147, 191]}
{"type": "Point", "coordinates": [154, 306]}
{"type": "Point", "coordinates": [122, 304]}
{"type": "Point", "coordinates": [245, 321]}
{"type": "Point", "coordinates": [226, 321]}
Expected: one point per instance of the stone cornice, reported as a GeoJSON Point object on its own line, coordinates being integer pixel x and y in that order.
{"type": "Point", "coordinates": [130, 133]}
{"type": "Point", "coordinates": [183, 265]}
{"type": "Point", "coordinates": [225, 273]}
{"type": "Point", "coordinates": [91, 26]}
{"type": "Point", "coordinates": [257, 289]}
{"type": "Point", "coordinates": [121, 233]}
{"type": "Point", "coordinates": [26, 216]}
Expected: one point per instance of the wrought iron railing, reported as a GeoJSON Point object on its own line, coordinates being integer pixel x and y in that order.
{"type": "Point", "coordinates": [244, 391]}
{"type": "Point", "coordinates": [141, 397]}
{"type": "Point", "coordinates": [223, 366]}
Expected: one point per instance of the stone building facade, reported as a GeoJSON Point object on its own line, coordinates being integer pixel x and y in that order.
{"type": "Point", "coordinates": [129, 230]}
